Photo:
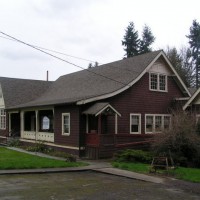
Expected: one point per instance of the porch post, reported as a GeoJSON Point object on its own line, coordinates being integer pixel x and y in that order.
{"type": "Point", "coordinates": [116, 123]}
{"type": "Point", "coordinates": [87, 127]}
{"type": "Point", "coordinates": [22, 124]}
{"type": "Point", "coordinates": [9, 123]}
{"type": "Point", "coordinates": [99, 124]}
{"type": "Point", "coordinates": [36, 124]}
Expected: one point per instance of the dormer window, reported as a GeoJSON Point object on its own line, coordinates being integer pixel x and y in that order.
{"type": "Point", "coordinates": [158, 82]}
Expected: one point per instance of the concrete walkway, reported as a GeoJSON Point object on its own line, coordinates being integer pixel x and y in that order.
{"type": "Point", "coordinates": [97, 166]}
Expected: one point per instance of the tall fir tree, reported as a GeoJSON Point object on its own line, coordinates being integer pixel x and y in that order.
{"type": "Point", "coordinates": [131, 41]}
{"type": "Point", "coordinates": [133, 44]}
{"type": "Point", "coordinates": [194, 41]}
{"type": "Point", "coordinates": [147, 40]}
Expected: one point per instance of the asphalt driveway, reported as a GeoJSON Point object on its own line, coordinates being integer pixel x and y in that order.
{"type": "Point", "coordinates": [85, 185]}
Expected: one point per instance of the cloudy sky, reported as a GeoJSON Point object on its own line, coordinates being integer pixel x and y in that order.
{"type": "Point", "coordinates": [88, 29]}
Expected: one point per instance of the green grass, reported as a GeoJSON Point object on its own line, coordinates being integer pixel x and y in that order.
{"type": "Point", "coordinates": [10, 159]}
{"type": "Point", "coordinates": [188, 174]}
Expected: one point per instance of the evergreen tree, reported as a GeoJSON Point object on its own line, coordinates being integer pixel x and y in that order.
{"type": "Point", "coordinates": [90, 65]}
{"type": "Point", "coordinates": [133, 44]}
{"type": "Point", "coordinates": [147, 40]}
{"type": "Point", "coordinates": [131, 41]}
{"type": "Point", "coordinates": [194, 41]}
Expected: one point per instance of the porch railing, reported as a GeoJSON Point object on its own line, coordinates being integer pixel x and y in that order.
{"type": "Point", "coordinates": [116, 139]}
{"type": "Point", "coordinates": [99, 139]}
{"type": "Point", "coordinates": [40, 136]}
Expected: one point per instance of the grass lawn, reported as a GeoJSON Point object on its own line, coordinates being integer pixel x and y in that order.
{"type": "Point", "coordinates": [188, 174]}
{"type": "Point", "coordinates": [10, 159]}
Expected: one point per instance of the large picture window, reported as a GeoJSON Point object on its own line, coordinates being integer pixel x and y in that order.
{"type": "Point", "coordinates": [135, 123]}
{"type": "Point", "coordinates": [2, 119]}
{"type": "Point", "coordinates": [65, 124]}
{"type": "Point", "coordinates": [156, 123]}
{"type": "Point", "coordinates": [158, 82]}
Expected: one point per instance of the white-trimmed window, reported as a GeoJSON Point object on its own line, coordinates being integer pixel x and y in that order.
{"type": "Point", "coordinates": [66, 124]}
{"type": "Point", "coordinates": [2, 119]}
{"type": "Point", "coordinates": [156, 123]}
{"type": "Point", "coordinates": [135, 123]}
{"type": "Point", "coordinates": [149, 124]}
{"type": "Point", "coordinates": [158, 82]}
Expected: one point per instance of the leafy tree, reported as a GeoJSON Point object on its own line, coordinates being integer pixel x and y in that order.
{"type": "Point", "coordinates": [181, 61]}
{"type": "Point", "coordinates": [187, 67]}
{"type": "Point", "coordinates": [194, 41]}
{"type": "Point", "coordinates": [131, 41]}
{"type": "Point", "coordinates": [147, 40]}
{"type": "Point", "coordinates": [182, 138]}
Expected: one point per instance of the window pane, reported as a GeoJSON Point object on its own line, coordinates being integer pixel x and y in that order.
{"type": "Point", "coordinates": [166, 122]}
{"type": "Point", "coordinates": [135, 119]}
{"type": "Point", "coordinates": [158, 123]}
{"type": "Point", "coordinates": [162, 82]}
{"type": "Point", "coordinates": [66, 129]}
{"type": "Point", "coordinates": [149, 124]}
{"type": "Point", "coordinates": [134, 128]}
{"type": "Point", "coordinates": [154, 81]}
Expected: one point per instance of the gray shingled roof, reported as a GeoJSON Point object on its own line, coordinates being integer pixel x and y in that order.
{"type": "Point", "coordinates": [94, 109]}
{"type": "Point", "coordinates": [20, 91]}
{"type": "Point", "coordinates": [85, 84]}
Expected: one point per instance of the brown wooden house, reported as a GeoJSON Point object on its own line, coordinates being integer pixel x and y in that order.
{"type": "Point", "coordinates": [98, 111]}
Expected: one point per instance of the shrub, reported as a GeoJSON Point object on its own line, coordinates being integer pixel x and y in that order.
{"type": "Point", "coordinates": [38, 147]}
{"type": "Point", "coordinates": [182, 139]}
{"type": "Point", "coordinates": [131, 155]}
{"type": "Point", "coordinates": [14, 142]}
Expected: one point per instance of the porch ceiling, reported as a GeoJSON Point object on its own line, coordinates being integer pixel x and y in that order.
{"type": "Point", "coordinates": [99, 108]}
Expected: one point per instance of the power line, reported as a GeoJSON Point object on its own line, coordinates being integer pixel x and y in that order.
{"type": "Point", "coordinates": [70, 55]}
{"type": "Point", "coordinates": [58, 52]}
{"type": "Point", "coordinates": [36, 48]}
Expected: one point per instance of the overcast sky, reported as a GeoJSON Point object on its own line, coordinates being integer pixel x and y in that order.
{"type": "Point", "coordinates": [89, 29]}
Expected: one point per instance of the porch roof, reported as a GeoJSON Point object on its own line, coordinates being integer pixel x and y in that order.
{"type": "Point", "coordinates": [98, 108]}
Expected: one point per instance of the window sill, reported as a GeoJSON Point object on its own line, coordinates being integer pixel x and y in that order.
{"type": "Point", "coordinates": [158, 90]}
{"type": "Point", "coordinates": [65, 134]}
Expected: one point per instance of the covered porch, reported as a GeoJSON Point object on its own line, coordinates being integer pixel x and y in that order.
{"type": "Point", "coordinates": [32, 124]}
{"type": "Point", "coordinates": [101, 128]}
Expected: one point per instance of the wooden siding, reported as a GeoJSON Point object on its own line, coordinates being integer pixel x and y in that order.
{"type": "Point", "coordinates": [139, 99]}
{"type": "Point", "coordinates": [73, 138]}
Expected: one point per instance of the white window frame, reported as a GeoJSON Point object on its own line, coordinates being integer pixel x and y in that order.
{"type": "Point", "coordinates": [158, 82]}
{"type": "Point", "coordinates": [139, 128]}
{"type": "Point", "coordinates": [154, 122]}
{"type": "Point", "coordinates": [63, 116]}
{"type": "Point", "coordinates": [2, 119]}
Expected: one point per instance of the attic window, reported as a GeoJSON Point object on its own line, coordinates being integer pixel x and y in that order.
{"type": "Point", "coordinates": [158, 82]}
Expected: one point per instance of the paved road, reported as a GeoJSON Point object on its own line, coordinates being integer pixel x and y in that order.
{"type": "Point", "coordinates": [86, 185]}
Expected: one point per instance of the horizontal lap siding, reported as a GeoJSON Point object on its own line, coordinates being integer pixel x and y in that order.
{"type": "Point", "coordinates": [73, 138]}
{"type": "Point", "coordinates": [139, 99]}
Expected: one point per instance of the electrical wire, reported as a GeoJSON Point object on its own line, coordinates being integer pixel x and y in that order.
{"type": "Point", "coordinates": [72, 55]}
{"type": "Point", "coordinates": [58, 52]}
{"type": "Point", "coordinates": [75, 65]}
